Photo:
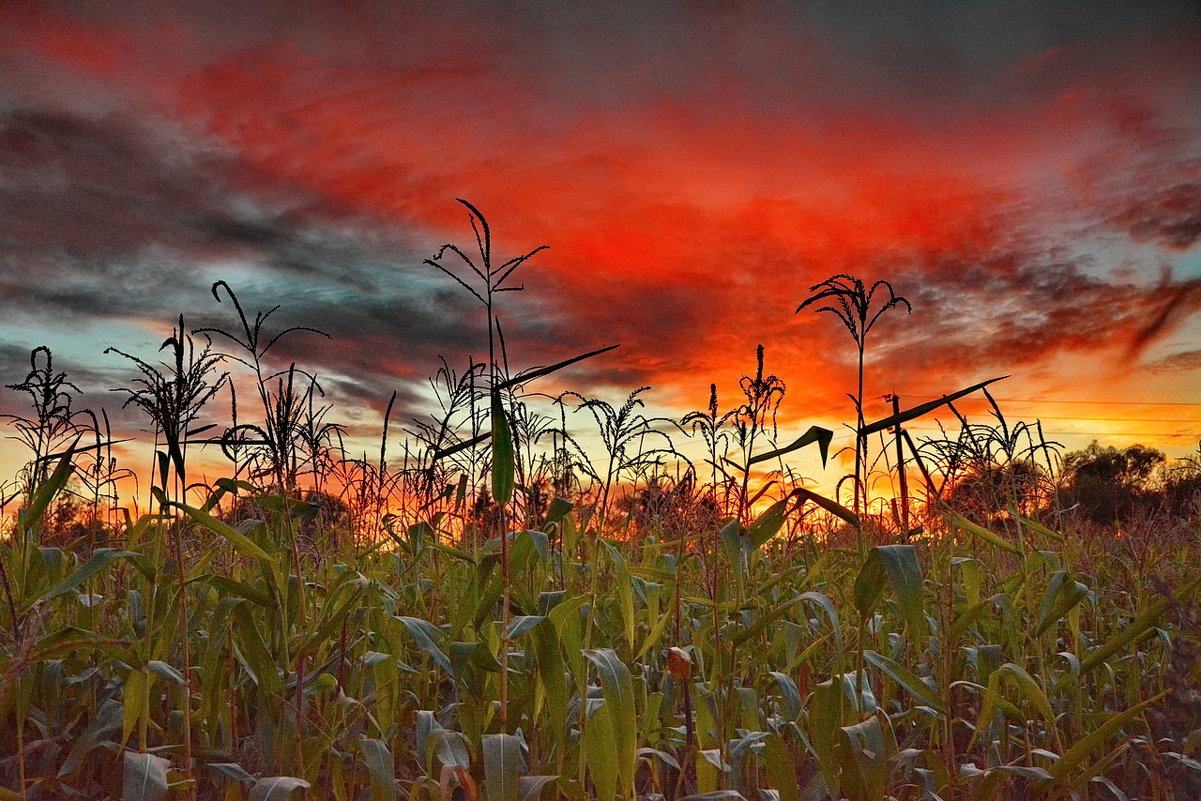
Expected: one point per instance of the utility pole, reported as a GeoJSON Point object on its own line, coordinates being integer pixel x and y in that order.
{"type": "Point", "coordinates": [896, 410]}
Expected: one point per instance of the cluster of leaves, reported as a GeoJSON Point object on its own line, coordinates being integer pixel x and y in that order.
{"type": "Point", "coordinates": [975, 664]}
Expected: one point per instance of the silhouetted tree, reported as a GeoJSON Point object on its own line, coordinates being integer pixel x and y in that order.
{"type": "Point", "coordinates": [1108, 484]}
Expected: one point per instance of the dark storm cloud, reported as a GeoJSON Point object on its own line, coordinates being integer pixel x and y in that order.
{"type": "Point", "coordinates": [104, 217]}
{"type": "Point", "coordinates": [1170, 216]}
{"type": "Point", "coordinates": [1014, 309]}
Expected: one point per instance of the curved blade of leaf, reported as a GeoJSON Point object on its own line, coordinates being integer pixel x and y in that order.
{"type": "Point", "coordinates": [822, 436]}
{"type": "Point", "coordinates": [100, 559]}
{"type": "Point", "coordinates": [1096, 739]}
{"type": "Point", "coordinates": [424, 635]}
{"type": "Point", "coordinates": [833, 507]}
{"type": "Point", "coordinates": [904, 677]}
{"type": "Point", "coordinates": [984, 534]}
{"type": "Point", "coordinates": [381, 769]}
{"type": "Point", "coordinates": [504, 466]}
{"type": "Point", "coordinates": [47, 490]}
{"type": "Point", "coordinates": [618, 690]}
{"type": "Point", "coordinates": [144, 777]}
{"type": "Point", "coordinates": [921, 409]}
{"type": "Point", "coordinates": [276, 788]}
{"type": "Point", "coordinates": [237, 539]}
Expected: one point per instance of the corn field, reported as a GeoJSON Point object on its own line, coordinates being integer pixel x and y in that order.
{"type": "Point", "coordinates": [498, 613]}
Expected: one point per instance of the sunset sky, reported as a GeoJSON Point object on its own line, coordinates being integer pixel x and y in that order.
{"type": "Point", "coordinates": [1027, 174]}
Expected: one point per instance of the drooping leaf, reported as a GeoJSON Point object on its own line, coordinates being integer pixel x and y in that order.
{"type": "Point", "coordinates": [381, 769]}
{"type": "Point", "coordinates": [425, 635]}
{"type": "Point", "coordinates": [618, 690]}
{"type": "Point", "coordinates": [144, 777]}
{"type": "Point", "coordinates": [101, 558]}
{"type": "Point", "coordinates": [982, 533]}
{"type": "Point", "coordinates": [822, 436]}
{"type": "Point", "coordinates": [906, 679]}
{"type": "Point", "coordinates": [504, 464]}
{"type": "Point", "coordinates": [833, 507]}
{"type": "Point", "coordinates": [276, 788]}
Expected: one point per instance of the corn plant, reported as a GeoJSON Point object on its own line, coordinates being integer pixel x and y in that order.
{"type": "Point", "coordinates": [53, 423]}
{"type": "Point", "coordinates": [850, 300]}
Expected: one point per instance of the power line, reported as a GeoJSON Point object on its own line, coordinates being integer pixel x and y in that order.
{"type": "Point", "coordinates": [1118, 419]}
{"type": "Point", "coordinates": [1112, 419]}
{"type": "Point", "coordinates": [927, 396]}
{"type": "Point", "coordinates": [1098, 402]}
{"type": "Point", "coordinates": [1175, 435]}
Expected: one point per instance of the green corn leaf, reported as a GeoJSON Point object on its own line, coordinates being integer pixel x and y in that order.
{"type": "Point", "coordinates": [232, 770]}
{"type": "Point", "coordinates": [165, 671]}
{"type": "Point", "coordinates": [240, 589]}
{"type": "Point", "coordinates": [825, 709]}
{"type": "Point", "coordinates": [906, 679]}
{"type": "Point", "coordinates": [552, 677]}
{"type": "Point", "coordinates": [101, 558]}
{"type": "Point", "coordinates": [966, 618]}
{"type": "Point", "coordinates": [425, 634]}
{"type": "Point", "coordinates": [981, 532]}
{"type": "Point", "coordinates": [1146, 621]}
{"type": "Point", "coordinates": [144, 777]}
{"type": "Point", "coordinates": [331, 622]}
{"type": "Point", "coordinates": [618, 691]}
{"type": "Point", "coordinates": [502, 766]}
{"type": "Point", "coordinates": [109, 720]}
{"type": "Point", "coordinates": [905, 575]}
{"type": "Point", "coordinates": [654, 635]}
{"type": "Point", "coordinates": [521, 625]}
{"type": "Point", "coordinates": [504, 466]}
{"type": "Point", "coordinates": [601, 752]}
{"type": "Point", "coordinates": [1062, 595]}
{"type": "Point", "coordinates": [765, 620]}
{"type": "Point", "coordinates": [276, 788]}
{"type": "Point", "coordinates": [381, 769]}
{"type": "Point", "coordinates": [252, 646]}
{"type": "Point", "coordinates": [866, 750]}
{"type": "Point", "coordinates": [777, 763]}
{"type": "Point", "coordinates": [46, 492]}
{"type": "Point", "coordinates": [450, 747]}
{"type": "Point", "coordinates": [241, 543]}
{"type": "Point", "coordinates": [564, 610]}
{"type": "Point", "coordinates": [529, 788]}
{"type": "Point", "coordinates": [897, 566]}
{"type": "Point", "coordinates": [790, 694]}
{"type": "Point", "coordinates": [624, 589]}
{"type": "Point", "coordinates": [73, 639]}
{"type": "Point", "coordinates": [1063, 768]}
{"type": "Point", "coordinates": [768, 524]}
{"type": "Point", "coordinates": [1037, 527]}
{"type": "Point", "coordinates": [827, 606]}
{"type": "Point", "coordinates": [134, 695]}
{"type": "Point", "coordinates": [993, 701]}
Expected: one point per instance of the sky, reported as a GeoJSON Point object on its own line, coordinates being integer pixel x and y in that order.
{"type": "Point", "coordinates": [1026, 174]}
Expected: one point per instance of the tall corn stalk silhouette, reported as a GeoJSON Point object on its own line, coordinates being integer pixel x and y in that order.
{"type": "Point", "coordinates": [492, 280]}
{"type": "Point", "coordinates": [848, 298]}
